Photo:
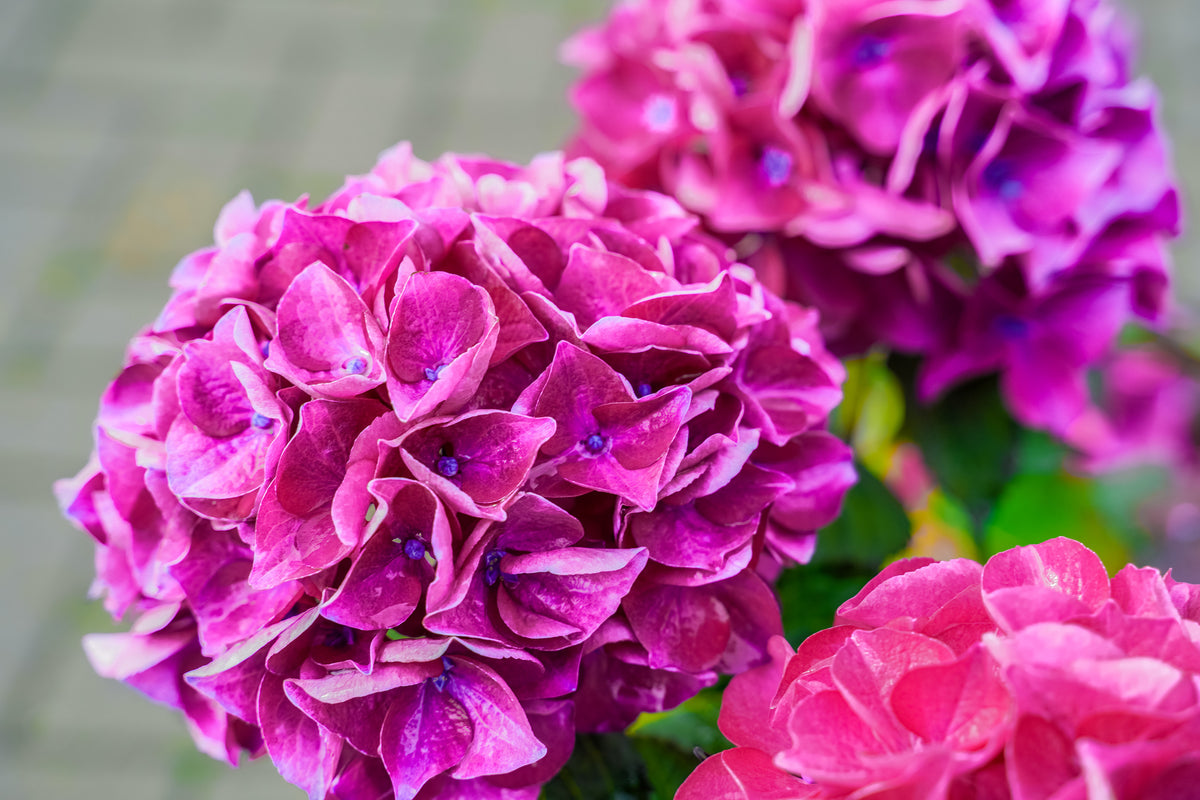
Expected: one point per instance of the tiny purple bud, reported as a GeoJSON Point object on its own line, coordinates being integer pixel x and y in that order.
{"type": "Point", "coordinates": [776, 166]}
{"type": "Point", "coordinates": [414, 548]}
{"type": "Point", "coordinates": [439, 681]}
{"type": "Point", "coordinates": [265, 348]}
{"type": "Point", "coordinates": [644, 389]}
{"type": "Point", "coordinates": [871, 50]}
{"type": "Point", "coordinates": [433, 373]}
{"type": "Point", "coordinates": [491, 563]}
{"type": "Point", "coordinates": [447, 466]}
{"type": "Point", "coordinates": [1010, 327]}
{"type": "Point", "coordinates": [261, 421]}
{"type": "Point", "coordinates": [339, 636]}
{"type": "Point", "coordinates": [999, 177]}
{"type": "Point", "coordinates": [595, 444]}
{"type": "Point", "coordinates": [355, 365]}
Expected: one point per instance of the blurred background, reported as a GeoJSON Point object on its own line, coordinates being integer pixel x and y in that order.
{"type": "Point", "coordinates": [125, 125]}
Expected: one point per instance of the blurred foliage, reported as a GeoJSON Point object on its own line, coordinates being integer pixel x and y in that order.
{"type": "Point", "coordinates": [872, 527]}
{"type": "Point", "coordinates": [650, 760]}
{"type": "Point", "coordinates": [975, 483]}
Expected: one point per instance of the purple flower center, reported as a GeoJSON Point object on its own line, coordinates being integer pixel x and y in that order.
{"type": "Point", "coordinates": [261, 421]}
{"type": "Point", "coordinates": [491, 568]}
{"type": "Point", "coordinates": [340, 636]}
{"type": "Point", "coordinates": [447, 466]}
{"type": "Point", "coordinates": [265, 348]}
{"type": "Point", "coordinates": [355, 365]}
{"type": "Point", "coordinates": [1011, 327]}
{"type": "Point", "coordinates": [433, 373]}
{"type": "Point", "coordinates": [740, 82]}
{"type": "Point", "coordinates": [595, 444]}
{"type": "Point", "coordinates": [870, 52]}
{"type": "Point", "coordinates": [414, 548]}
{"type": "Point", "coordinates": [643, 389]}
{"type": "Point", "coordinates": [439, 682]}
{"type": "Point", "coordinates": [776, 166]}
{"type": "Point", "coordinates": [1001, 178]}
{"type": "Point", "coordinates": [659, 113]}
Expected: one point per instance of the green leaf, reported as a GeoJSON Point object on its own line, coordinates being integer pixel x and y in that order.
{"type": "Point", "coordinates": [871, 528]}
{"type": "Point", "coordinates": [691, 724]}
{"type": "Point", "coordinates": [667, 765]}
{"type": "Point", "coordinates": [603, 766]}
{"type": "Point", "coordinates": [1038, 507]}
{"type": "Point", "coordinates": [809, 595]}
{"type": "Point", "coordinates": [968, 439]}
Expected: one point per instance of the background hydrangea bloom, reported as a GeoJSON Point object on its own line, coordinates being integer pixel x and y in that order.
{"type": "Point", "coordinates": [980, 182]}
{"type": "Point", "coordinates": [407, 487]}
{"type": "Point", "coordinates": [1034, 675]}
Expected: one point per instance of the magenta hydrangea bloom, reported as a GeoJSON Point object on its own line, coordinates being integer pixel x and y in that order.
{"type": "Point", "coordinates": [1033, 676]}
{"type": "Point", "coordinates": [944, 177]}
{"type": "Point", "coordinates": [406, 488]}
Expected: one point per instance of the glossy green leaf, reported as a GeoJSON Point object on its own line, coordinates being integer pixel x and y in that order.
{"type": "Point", "coordinates": [968, 439]}
{"type": "Point", "coordinates": [1037, 507]}
{"type": "Point", "coordinates": [871, 528]}
{"type": "Point", "coordinates": [810, 594]}
{"type": "Point", "coordinates": [690, 725]}
{"type": "Point", "coordinates": [603, 766]}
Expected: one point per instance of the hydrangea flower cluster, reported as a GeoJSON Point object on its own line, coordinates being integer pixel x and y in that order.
{"type": "Point", "coordinates": [1033, 676]}
{"type": "Point", "coordinates": [407, 487]}
{"type": "Point", "coordinates": [982, 182]}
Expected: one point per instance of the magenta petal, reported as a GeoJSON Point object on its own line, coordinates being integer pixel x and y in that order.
{"type": "Point", "coordinates": [442, 334]}
{"type": "Point", "coordinates": [232, 679]}
{"type": "Point", "coordinates": [1065, 576]}
{"type": "Point", "coordinates": [598, 284]}
{"type": "Point", "coordinates": [743, 773]}
{"type": "Point", "coordinates": [227, 607]}
{"type": "Point", "coordinates": [426, 732]}
{"type": "Point", "coordinates": [747, 703]}
{"type": "Point", "coordinates": [354, 705]}
{"type": "Point", "coordinates": [304, 753]}
{"type": "Point", "coordinates": [964, 703]}
{"type": "Point", "coordinates": [328, 341]}
{"type": "Point", "coordinates": [695, 628]}
{"type": "Point", "coordinates": [915, 588]}
{"type": "Point", "coordinates": [503, 740]}
{"type": "Point", "coordinates": [313, 464]}
{"type": "Point", "coordinates": [290, 546]}
{"type": "Point", "coordinates": [388, 575]}
{"type": "Point", "coordinates": [477, 460]}
{"type": "Point", "coordinates": [567, 592]}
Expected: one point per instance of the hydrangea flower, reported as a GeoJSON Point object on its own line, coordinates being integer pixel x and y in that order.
{"type": "Point", "coordinates": [405, 488]}
{"type": "Point", "coordinates": [1033, 676]}
{"type": "Point", "coordinates": [981, 182]}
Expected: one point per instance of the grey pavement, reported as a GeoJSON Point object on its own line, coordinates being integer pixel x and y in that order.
{"type": "Point", "coordinates": [124, 126]}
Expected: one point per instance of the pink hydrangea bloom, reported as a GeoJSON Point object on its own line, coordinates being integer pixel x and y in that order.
{"type": "Point", "coordinates": [981, 182]}
{"type": "Point", "coordinates": [1033, 676]}
{"type": "Point", "coordinates": [406, 488]}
